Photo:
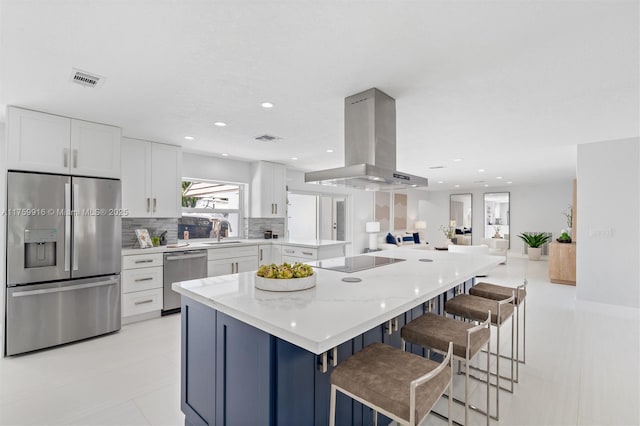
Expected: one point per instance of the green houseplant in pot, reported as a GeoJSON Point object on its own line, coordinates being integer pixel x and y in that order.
{"type": "Point", "coordinates": [535, 242]}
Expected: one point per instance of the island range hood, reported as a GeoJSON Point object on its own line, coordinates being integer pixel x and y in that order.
{"type": "Point", "coordinates": [369, 147]}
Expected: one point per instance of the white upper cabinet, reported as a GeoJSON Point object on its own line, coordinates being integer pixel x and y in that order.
{"type": "Point", "coordinates": [95, 149]}
{"type": "Point", "coordinates": [268, 189]}
{"type": "Point", "coordinates": [49, 143]}
{"type": "Point", "coordinates": [151, 179]}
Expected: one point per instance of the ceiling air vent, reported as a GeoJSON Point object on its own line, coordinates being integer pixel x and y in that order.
{"type": "Point", "coordinates": [85, 78]}
{"type": "Point", "coordinates": [267, 138]}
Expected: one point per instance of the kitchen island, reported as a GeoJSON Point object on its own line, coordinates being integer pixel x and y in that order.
{"type": "Point", "coordinates": [257, 357]}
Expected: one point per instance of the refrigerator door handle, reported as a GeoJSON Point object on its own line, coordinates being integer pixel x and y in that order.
{"type": "Point", "coordinates": [61, 289]}
{"type": "Point", "coordinates": [67, 226]}
{"type": "Point", "coordinates": [75, 242]}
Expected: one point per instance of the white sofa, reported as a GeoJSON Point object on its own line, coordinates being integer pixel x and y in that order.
{"type": "Point", "coordinates": [383, 245]}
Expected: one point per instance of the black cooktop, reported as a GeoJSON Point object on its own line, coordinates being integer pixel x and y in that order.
{"type": "Point", "coordinates": [355, 263]}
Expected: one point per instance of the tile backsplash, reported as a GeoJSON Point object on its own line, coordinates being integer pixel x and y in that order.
{"type": "Point", "coordinates": [255, 227]}
{"type": "Point", "coordinates": [155, 226]}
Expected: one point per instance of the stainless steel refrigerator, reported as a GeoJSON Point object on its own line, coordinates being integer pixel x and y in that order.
{"type": "Point", "coordinates": [63, 259]}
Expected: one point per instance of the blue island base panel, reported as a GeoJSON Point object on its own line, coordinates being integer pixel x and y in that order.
{"type": "Point", "coordinates": [234, 374]}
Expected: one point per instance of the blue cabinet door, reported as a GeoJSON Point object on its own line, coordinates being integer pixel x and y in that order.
{"type": "Point", "coordinates": [245, 370]}
{"type": "Point", "coordinates": [197, 387]}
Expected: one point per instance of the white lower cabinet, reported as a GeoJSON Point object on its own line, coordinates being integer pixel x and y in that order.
{"type": "Point", "coordinates": [227, 260]}
{"type": "Point", "coordinates": [292, 254]}
{"type": "Point", "coordinates": [269, 253]}
{"type": "Point", "coordinates": [142, 281]}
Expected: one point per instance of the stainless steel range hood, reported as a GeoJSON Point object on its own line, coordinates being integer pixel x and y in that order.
{"type": "Point", "coordinates": [369, 147]}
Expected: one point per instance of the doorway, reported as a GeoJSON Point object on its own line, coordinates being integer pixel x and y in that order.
{"type": "Point", "coordinates": [318, 217]}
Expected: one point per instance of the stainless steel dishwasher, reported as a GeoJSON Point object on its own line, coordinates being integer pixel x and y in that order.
{"type": "Point", "coordinates": [181, 266]}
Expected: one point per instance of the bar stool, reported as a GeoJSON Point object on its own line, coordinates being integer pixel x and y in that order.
{"type": "Point", "coordinates": [400, 385]}
{"type": "Point", "coordinates": [434, 332]}
{"type": "Point", "coordinates": [475, 308]}
{"type": "Point", "coordinates": [499, 292]}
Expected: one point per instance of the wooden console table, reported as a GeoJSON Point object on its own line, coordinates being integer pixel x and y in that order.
{"type": "Point", "coordinates": [562, 263]}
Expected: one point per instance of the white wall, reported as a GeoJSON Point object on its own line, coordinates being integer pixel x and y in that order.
{"type": "Point", "coordinates": [214, 168]}
{"type": "Point", "coordinates": [301, 217]}
{"type": "Point", "coordinates": [608, 234]}
{"type": "Point", "coordinates": [533, 208]}
{"type": "Point", "coordinates": [3, 224]}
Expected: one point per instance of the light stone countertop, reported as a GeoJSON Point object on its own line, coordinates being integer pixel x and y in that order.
{"type": "Point", "coordinates": [333, 311]}
{"type": "Point", "coordinates": [201, 244]}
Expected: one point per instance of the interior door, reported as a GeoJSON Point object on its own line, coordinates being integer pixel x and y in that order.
{"type": "Point", "coordinates": [338, 219]}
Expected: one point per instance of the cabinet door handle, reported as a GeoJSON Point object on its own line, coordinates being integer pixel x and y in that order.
{"type": "Point", "coordinates": [144, 279]}
{"type": "Point", "coordinates": [308, 253]}
{"type": "Point", "coordinates": [260, 254]}
{"type": "Point", "coordinates": [144, 261]}
{"type": "Point", "coordinates": [276, 207]}
{"type": "Point", "coordinates": [288, 251]}
{"type": "Point", "coordinates": [142, 302]}
{"type": "Point", "coordinates": [148, 204]}
{"type": "Point", "coordinates": [155, 204]}
{"type": "Point", "coordinates": [75, 158]}
{"type": "Point", "coordinates": [66, 157]}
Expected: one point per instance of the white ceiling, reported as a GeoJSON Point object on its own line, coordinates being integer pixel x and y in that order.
{"type": "Point", "coordinates": [508, 86]}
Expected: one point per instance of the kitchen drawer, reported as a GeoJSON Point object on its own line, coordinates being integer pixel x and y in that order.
{"type": "Point", "coordinates": [230, 252]}
{"type": "Point", "coordinates": [141, 302]}
{"type": "Point", "coordinates": [141, 279]}
{"type": "Point", "coordinates": [300, 252]}
{"type": "Point", "coordinates": [141, 261]}
{"type": "Point", "coordinates": [293, 260]}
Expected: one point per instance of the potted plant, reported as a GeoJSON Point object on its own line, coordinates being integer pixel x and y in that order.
{"type": "Point", "coordinates": [535, 242]}
{"type": "Point", "coordinates": [564, 236]}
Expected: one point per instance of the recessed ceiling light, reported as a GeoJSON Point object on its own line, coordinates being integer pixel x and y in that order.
{"type": "Point", "coordinates": [267, 105]}
{"type": "Point", "coordinates": [440, 181]}
{"type": "Point", "coordinates": [225, 155]}
{"type": "Point", "coordinates": [329, 150]}
{"type": "Point", "coordinates": [219, 124]}
{"type": "Point", "coordinates": [480, 170]}
{"type": "Point", "coordinates": [294, 158]}
{"type": "Point", "coordinates": [457, 160]}
{"type": "Point", "coordinates": [486, 185]}
{"type": "Point", "coordinates": [189, 138]}
{"type": "Point", "coordinates": [509, 182]}
{"type": "Point", "coordinates": [457, 186]}
{"type": "Point", "coordinates": [498, 177]}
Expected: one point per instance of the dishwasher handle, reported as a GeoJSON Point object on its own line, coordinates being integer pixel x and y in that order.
{"type": "Point", "coordinates": [185, 256]}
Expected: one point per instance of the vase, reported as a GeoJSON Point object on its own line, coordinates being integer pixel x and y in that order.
{"type": "Point", "coordinates": [534, 253]}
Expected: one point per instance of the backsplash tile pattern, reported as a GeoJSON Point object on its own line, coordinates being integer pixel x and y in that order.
{"type": "Point", "coordinates": [153, 225]}
{"type": "Point", "coordinates": [255, 226]}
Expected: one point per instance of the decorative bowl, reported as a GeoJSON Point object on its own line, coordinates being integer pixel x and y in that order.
{"type": "Point", "coordinates": [291, 284]}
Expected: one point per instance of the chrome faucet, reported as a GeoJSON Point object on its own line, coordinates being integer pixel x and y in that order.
{"type": "Point", "coordinates": [218, 227]}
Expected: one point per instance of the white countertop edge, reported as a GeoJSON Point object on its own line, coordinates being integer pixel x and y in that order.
{"type": "Point", "coordinates": [202, 245]}
{"type": "Point", "coordinates": [327, 344]}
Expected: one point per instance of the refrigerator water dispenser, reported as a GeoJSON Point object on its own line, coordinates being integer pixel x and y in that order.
{"type": "Point", "coordinates": [40, 247]}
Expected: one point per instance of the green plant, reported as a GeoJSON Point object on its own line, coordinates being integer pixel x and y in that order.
{"type": "Point", "coordinates": [448, 232]}
{"type": "Point", "coordinates": [569, 216]}
{"type": "Point", "coordinates": [534, 240]}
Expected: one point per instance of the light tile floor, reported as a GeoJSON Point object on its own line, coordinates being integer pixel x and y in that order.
{"type": "Point", "coordinates": [582, 368]}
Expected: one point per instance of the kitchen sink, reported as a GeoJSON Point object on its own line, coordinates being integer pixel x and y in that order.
{"type": "Point", "coordinates": [215, 243]}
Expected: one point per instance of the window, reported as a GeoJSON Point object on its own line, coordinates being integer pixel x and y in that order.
{"type": "Point", "coordinates": [205, 207]}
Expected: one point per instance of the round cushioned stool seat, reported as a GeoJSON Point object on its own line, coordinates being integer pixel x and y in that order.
{"type": "Point", "coordinates": [497, 292]}
{"type": "Point", "coordinates": [381, 375]}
